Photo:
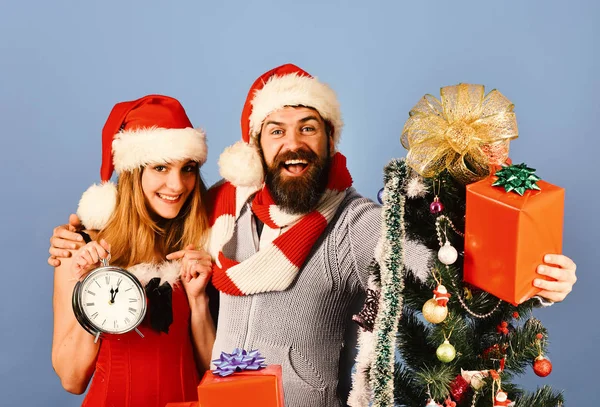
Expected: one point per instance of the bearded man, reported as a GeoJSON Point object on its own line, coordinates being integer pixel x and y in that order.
{"type": "Point", "coordinates": [292, 252]}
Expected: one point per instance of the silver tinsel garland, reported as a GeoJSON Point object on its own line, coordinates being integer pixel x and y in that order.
{"type": "Point", "coordinates": [392, 284]}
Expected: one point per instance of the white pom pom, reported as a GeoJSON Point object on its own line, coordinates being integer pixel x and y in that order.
{"type": "Point", "coordinates": [416, 188]}
{"type": "Point", "coordinates": [241, 165]}
{"type": "Point", "coordinates": [97, 205]}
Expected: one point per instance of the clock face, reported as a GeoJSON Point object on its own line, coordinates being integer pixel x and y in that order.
{"type": "Point", "coordinates": [112, 300]}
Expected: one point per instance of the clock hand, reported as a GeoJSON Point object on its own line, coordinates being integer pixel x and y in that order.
{"type": "Point", "coordinates": [112, 295]}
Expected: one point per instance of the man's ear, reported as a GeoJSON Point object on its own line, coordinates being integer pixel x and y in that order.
{"type": "Point", "coordinates": [330, 130]}
{"type": "Point", "coordinates": [331, 144]}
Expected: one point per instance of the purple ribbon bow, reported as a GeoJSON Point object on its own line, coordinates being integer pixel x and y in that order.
{"type": "Point", "coordinates": [239, 360]}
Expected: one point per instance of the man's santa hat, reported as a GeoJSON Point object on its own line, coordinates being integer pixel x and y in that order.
{"type": "Point", "coordinates": [286, 85]}
{"type": "Point", "coordinates": [151, 130]}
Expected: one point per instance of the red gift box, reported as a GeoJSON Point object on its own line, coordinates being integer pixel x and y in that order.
{"type": "Point", "coordinates": [507, 236]}
{"type": "Point", "coordinates": [250, 388]}
{"type": "Point", "coordinates": [184, 404]}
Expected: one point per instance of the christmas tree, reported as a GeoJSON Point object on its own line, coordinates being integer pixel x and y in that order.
{"type": "Point", "coordinates": [429, 338]}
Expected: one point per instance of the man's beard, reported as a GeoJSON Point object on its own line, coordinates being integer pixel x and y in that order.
{"type": "Point", "coordinates": [300, 194]}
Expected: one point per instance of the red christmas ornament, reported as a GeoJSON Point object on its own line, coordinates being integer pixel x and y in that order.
{"type": "Point", "coordinates": [516, 315]}
{"type": "Point", "coordinates": [502, 328]}
{"type": "Point", "coordinates": [449, 403]}
{"type": "Point", "coordinates": [540, 336]}
{"type": "Point", "coordinates": [542, 366]}
{"type": "Point", "coordinates": [459, 388]}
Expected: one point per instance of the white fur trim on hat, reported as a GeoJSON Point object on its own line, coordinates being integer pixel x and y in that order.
{"type": "Point", "coordinates": [295, 90]}
{"type": "Point", "coordinates": [136, 148]}
{"type": "Point", "coordinates": [241, 165]}
{"type": "Point", "coordinates": [97, 205]}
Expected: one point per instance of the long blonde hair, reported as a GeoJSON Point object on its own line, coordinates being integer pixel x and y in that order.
{"type": "Point", "coordinates": [136, 237]}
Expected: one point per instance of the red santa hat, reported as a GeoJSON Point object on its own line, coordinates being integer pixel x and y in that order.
{"type": "Point", "coordinates": [152, 129]}
{"type": "Point", "coordinates": [286, 85]}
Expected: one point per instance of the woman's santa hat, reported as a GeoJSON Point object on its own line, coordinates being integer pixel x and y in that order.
{"type": "Point", "coordinates": [150, 130]}
{"type": "Point", "coordinates": [283, 86]}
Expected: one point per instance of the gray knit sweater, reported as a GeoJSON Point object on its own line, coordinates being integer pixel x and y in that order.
{"type": "Point", "coordinates": [307, 329]}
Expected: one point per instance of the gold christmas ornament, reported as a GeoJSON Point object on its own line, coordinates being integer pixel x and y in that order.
{"type": "Point", "coordinates": [465, 133]}
{"type": "Point", "coordinates": [433, 312]}
{"type": "Point", "coordinates": [446, 352]}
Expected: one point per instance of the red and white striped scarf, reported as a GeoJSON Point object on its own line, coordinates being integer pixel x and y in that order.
{"type": "Point", "coordinates": [272, 268]}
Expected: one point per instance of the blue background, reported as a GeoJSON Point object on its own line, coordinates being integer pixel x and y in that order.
{"type": "Point", "coordinates": [64, 64]}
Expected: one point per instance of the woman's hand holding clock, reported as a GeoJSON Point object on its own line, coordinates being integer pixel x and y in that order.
{"type": "Point", "coordinates": [89, 256]}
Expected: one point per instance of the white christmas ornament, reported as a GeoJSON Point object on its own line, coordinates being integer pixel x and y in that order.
{"type": "Point", "coordinates": [447, 254]}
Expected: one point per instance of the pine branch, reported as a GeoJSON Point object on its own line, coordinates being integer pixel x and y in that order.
{"type": "Point", "coordinates": [543, 397]}
{"type": "Point", "coordinates": [523, 346]}
{"type": "Point", "coordinates": [526, 309]}
{"type": "Point", "coordinates": [415, 292]}
{"type": "Point", "coordinates": [407, 392]}
{"type": "Point", "coordinates": [412, 341]}
{"type": "Point", "coordinates": [459, 332]}
{"type": "Point", "coordinates": [436, 379]}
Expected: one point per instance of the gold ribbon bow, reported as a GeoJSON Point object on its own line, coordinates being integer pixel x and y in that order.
{"type": "Point", "coordinates": [465, 133]}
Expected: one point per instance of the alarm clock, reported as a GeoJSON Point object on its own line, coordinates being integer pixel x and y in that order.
{"type": "Point", "coordinates": [109, 300]}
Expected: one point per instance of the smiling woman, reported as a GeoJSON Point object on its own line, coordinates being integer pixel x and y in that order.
{"type": "Point", "coordinates": [167, 186]}
{"type": "Point", "coordinates": [154, 214]}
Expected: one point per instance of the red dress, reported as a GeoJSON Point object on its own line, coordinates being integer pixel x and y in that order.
{"type": "Point", "coordinates": [132, 371]}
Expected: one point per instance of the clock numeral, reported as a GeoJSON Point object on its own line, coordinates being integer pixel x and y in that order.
{"type": "Point", "coordinates": [128, 289]}
{"type": "Point", "coordinates": [96, 281]}
{"type": "Point", "coordinates": [127, 321]}
{"type": "Point", "coordinates": [116, 324]}
{"type": "Point", "coordinates": [89, 304]}
{"type": "Point", "coordinates": [119, 281]}
{"type": "Point", "coordinates": [103, 322]}
{"type": "Point", "coordinates": [133, 300]}
{"type": "Point", "coordinates": [132, 310]}
{"type": "Point", "coordinates": [107, 279]}
{"type": "Point", "coordinates": [94, 315]}
{"type": "Point", "coordinates": [91, 292]}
